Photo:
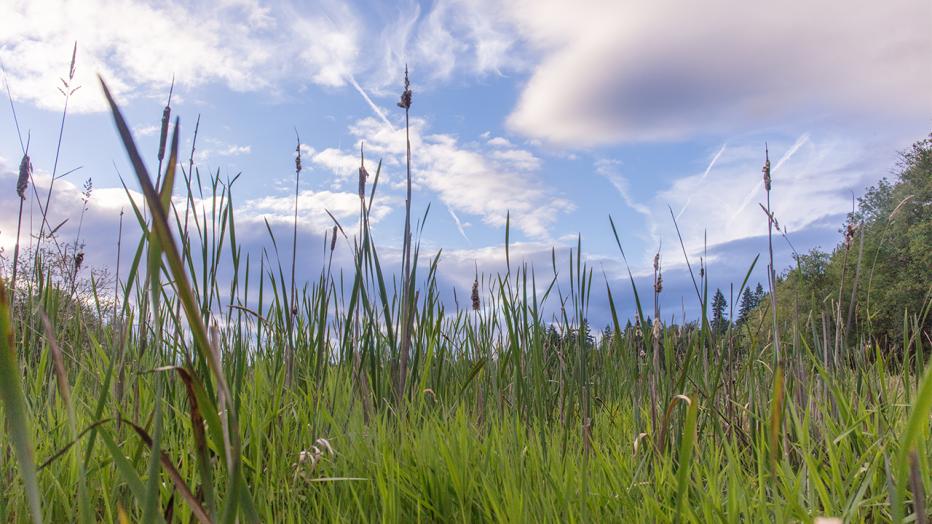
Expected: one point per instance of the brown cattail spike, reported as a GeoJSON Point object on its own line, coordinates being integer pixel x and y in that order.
{"type": "Point", "coordinates": [297, 158]}
{"type": "Point", "coordinates": [658, 280]}
{"type": "Point", "coordinates": [25, 173]}
{"type": "Point", "coordinates": [766, 169]}
{"type": "Point", "coordinates": [333, 239]}
{"type": "Point", "coordinates": [363, 175]}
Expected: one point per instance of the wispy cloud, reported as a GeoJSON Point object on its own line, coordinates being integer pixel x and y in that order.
{"type": "Point", "coordinates": [611, 170]}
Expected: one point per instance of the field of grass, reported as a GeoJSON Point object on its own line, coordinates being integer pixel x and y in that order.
{"type": "Point", "coordinates": [361, 397]}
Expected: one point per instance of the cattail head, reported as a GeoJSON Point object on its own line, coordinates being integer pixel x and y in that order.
{"type": "Point", "coordinates": [363, 175]}
{"type": "Point", "coordinates": [766, 169]}
{"type": "Point", "coordinates": [333, 239]}
{"type": "Point", "coordinates": [475, 295]}
{"type": "Point", "coordinates": [166, 118]}
{"type": "Point", "coordinates": [657, 329]}
{"type": "Point", "coordinates": [297, 158]}
{"type": "Point", "coordinates": [658, 279]}
{"type": "Point", "coordinates": [405, 102]}
{"type": "Point", "coordinates": [163, 132]}
{"type": "Point", "coordinates": [25, 172]}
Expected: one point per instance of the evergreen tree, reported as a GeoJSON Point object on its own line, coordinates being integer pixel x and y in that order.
{"type": "Point", "coordinates": [719, 323]}
{"type": "Point", "coordinates": [758, 294]}
{"type": "Point", "coordinates": [748, 303]}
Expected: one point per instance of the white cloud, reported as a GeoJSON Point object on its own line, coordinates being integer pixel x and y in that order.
{"type": "Point", "coordinates": [660, 70]}
{"type": "Point", "coordinates": [137, 46]}
{"type": "Point", "coordinates": [217, 148]}
{"type": "Point", "coordinates": [312, 210]}
{"type": "Point", "coordinates": [466, 178]}
{"type": "Point", "coordinates": [498, 141]}
{"type": "Point", "coordinates": [342, 164]}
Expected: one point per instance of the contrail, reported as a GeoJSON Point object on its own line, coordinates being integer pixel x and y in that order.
{"type": "Point", "coordinates": [369, 101]}
{"type": "Point", "coordinates": [459, 225]}
{"type": "Point", "coordinates": [704, 175]}
{"type": "Point", "coordinates": [786, 156]}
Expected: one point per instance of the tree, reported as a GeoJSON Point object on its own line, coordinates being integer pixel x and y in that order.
{"type": "Point", "coordinates": [748, 303]}
{"type": "Point", "coordinates": [719, 322]}
{"type": "Point", "coordinates": [758, 294]}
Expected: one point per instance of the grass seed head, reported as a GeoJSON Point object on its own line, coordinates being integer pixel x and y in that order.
{"type": "Point", "coordinates": [475, 295]}
{"type": "Point", "coordinates": [333, 239]}
{"type": "Point", "coordinates": [405, 102]}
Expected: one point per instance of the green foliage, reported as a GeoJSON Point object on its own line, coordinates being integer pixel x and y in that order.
{"type": "Point", "coordinates": [880, 271]}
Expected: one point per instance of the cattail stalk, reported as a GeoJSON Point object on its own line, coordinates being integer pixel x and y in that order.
{"type": "Point", "coordinates": [771, 273]}
{"type": "Point", "coordinates": [22, 183]}
{"type": "Point", "coordinates": [656, 333]}
{"type": "Point", "coordinates": [405, 343]}
{"type": "Point", "coordinates": [289, 354]}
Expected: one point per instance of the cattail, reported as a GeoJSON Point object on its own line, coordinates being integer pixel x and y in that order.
{"type": "Point", "coordinates": [658, 281]}
{"type": "Point", "coordinates": [405, 102]}
{"type": "Point", "coordinates": [333, 239]}
{"type": "Point", "coordinates": [166, 118]}
{"type": "Point", "coordinates": [163, 136]}
{"type": "Point", "coordinates": [657, 329]}
{"type": "Point", "coordinates": [475, 295]}
{"type": "Point", "coordinates": [363, 175]}
{"type": "Point", "coordinates": [25, 173]}
{"type": "Point", "coordinates": [766, 169]}
{"type": "Point", "coordinates": [297, 158]}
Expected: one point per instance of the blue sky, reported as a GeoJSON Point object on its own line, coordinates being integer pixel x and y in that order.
{"type": "Point", "coordinates": [559, 114]}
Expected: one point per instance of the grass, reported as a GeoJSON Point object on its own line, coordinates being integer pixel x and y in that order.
{"type": "Point", "coordinates": [357, 397]}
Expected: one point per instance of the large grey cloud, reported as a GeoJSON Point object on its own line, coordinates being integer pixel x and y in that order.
{"type": "Point", "coordinates": [629, 71]}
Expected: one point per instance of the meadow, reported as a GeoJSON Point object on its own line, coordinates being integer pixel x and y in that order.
{"type": "Point", "coordinates": [362, 396]}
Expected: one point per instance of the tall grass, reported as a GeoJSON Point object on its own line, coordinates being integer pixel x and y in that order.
{"type": "Point", "coordinates": [361, 397]}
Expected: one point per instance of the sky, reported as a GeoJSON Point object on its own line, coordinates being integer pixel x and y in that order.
{"type": "Point", "coordinates": [558, 115]}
